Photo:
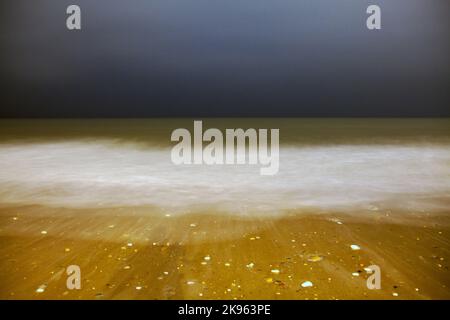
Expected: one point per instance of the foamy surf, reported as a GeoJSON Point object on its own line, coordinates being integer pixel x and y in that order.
{"type": "Point", "coordinates": [105, 173]}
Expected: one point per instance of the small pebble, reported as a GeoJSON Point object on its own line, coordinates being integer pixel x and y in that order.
{"type": "Point", "coordinates": [41, 288]}
{"type": "Point", "coordinates": [315, 258]}
{"type": "Point", "coordinates": [276, 271]}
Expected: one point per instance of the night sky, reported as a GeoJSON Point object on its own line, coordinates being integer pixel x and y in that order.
{"type": "Point", "coordinates": [145, 58]}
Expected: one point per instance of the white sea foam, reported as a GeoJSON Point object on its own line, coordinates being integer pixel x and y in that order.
{"type": "Point", "coordinates": [105, 173]}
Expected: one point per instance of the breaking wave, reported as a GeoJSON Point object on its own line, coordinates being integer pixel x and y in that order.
{"type": "Point", "coordinates": [91, 173]}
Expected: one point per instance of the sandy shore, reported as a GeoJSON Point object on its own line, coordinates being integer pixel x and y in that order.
{"type": "Point", "coordinates": [132, 253]}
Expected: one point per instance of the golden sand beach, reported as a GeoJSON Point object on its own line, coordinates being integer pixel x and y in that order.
{"type": "Point", "coordinates": [134, 254]}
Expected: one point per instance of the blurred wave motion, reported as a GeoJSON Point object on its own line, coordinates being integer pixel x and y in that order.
{"type": "Point", "coordinates": [110, 172]}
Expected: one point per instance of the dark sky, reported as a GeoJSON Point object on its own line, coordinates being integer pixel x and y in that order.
{"type": "Point", "coordinates": [139, 58]}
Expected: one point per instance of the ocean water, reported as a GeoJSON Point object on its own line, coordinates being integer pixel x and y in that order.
{"type": "Point", "coordinates": [325, 165]}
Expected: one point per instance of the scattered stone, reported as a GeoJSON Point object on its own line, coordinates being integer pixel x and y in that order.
{"type": "Point", "coordinates": [138, 288]}
{"type": "Point", "coordinates": [355, 274]}
{"type": "Point", "coordinates": [395, 294]}
{"type": "Point", "coordinates": [336, 221]}
{"type": "Point", "coordinates": [307, 284]}
{"type": "Point", "coordinates": [43, 232]}
{"type": "Point", "coordinates": [190, 282]}
{"type": "Point", "coordinates": [275, 271]}
{"type": "Point", "coordinates": [250, 265]}
{"type": "Point", "coordinates": [315, 258]}
{"type": "Point", "coordinates": [41, 288]}
{"type": "Point", "coordinates": [355, 247]}
{"type": "Point", "coordinates": [207, 258]}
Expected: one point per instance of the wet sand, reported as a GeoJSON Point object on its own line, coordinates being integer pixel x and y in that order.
{"type": "Point", "coordinates": [137, 253]}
